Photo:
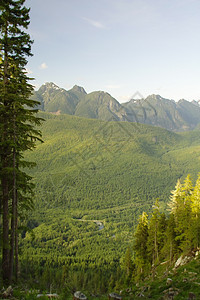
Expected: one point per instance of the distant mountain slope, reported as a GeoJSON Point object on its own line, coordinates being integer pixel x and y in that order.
{"type": "Point", "coordinates": [154, 110]}
{"type": "Point", "coordinates": [55, 99]}
{"type": "Point", "coordinates": [100, 105]}
{"type": "Point", "coordinates": [158, 111]}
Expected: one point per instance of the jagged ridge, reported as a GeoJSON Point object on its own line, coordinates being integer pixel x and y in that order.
{"type": "Point", "coordinates": [154, 110]}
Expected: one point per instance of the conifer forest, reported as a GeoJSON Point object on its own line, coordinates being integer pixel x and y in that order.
{"type": "Point", "coordinates": [95, 196]}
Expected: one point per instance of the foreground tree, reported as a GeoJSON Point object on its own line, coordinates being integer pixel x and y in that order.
{"type": "Point", "coordinates": [181, 208]}
{"type": "Point", "coordinates": [166, 237]}
{"type": "Point", "coordinates": [195, 212]}
{"type": "Point", "coordinates": [17, 124]}
{"type": "Point", "coordinates": [140, 247]}
{"type": "Point", "coordinates": [155, 242]}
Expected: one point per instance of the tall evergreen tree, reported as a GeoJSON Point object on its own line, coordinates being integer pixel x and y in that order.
{"type": "Point", "coordinates": [140, 246]}
{"type": "Point", "coordinates": [17, 121]}
{"type": "Point", "coordinates": [176, 198]}
{"type": "Point", "coordinates": [195, 210]}
{"type": "Point", "coordinates": [185, 216]}
{"type": "Point", "coordinates": [176, 205]}
{"type": "Point", "coordinates": [170, 245]}
{"type": "Point", "coordinates": [128, 264]}
{"type": "Point", "coordinates": [180, 207]}
{"type": "Point", "coordinates": [157, 226]}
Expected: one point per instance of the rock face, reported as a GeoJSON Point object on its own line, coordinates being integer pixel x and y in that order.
{"type": "Point", "coordinates": [170, 293]}
{"type": "Point", "coordinates": [181, 261]}
{"type": "Point", "coordinates": [114, 296]}
{"type": "Point", "coordinates": [78, 295]}
{"type": "Point", "coordinates": [169, 281]}
{"type": "Point", "coordinates": [79, 89]}
{"type": "Point", "coordinates": [8, 292]}
{"type": "Point", "coordinates": [50, 296]}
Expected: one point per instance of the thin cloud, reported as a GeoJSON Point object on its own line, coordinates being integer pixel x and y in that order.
{"type": "Point", "coordinates": [37, 35]}
{"type": "Point", "coordinates": [124, 98]}
{"type": "Point", "coordinates": [94, 23]}
{"type": "Point", "coordinates": [113, 86]}
{"type": "Point", "coordinates": [43, 66]}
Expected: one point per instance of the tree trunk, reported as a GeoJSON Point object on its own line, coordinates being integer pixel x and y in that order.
{"type": "Point", "coordinates": [12, 244]}
{"type": "Point", "coordinates": [16, 246]}
{"type": "Point", "coordinates": [5, 177]}
{"type": "Point", "coordinates": [14, 202]}
{"type": "Point", "coordinates": [5, 258]}
{"type": "Point", "coordinates": [16, 237]}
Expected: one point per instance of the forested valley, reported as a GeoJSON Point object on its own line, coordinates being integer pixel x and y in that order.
{"type": "Point", "coordinates": [86, 178]}
{"type": "Point", "coordinates": [90, 205]}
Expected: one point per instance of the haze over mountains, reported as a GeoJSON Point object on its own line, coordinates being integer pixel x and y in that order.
{"type": "Point", "coordinates": [154, 110]}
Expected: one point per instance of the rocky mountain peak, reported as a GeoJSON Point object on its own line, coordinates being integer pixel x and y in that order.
{"type": "Point", "coordinates": [154, 110]}
{"type": "Point", "coordinates": [79, 89]}
{"type": "Point", "coordinates": [48, 87]}
{"type": "Point", "coordinates": [197, 103]}
{"type": "Point", "coordinates": [51, 85]}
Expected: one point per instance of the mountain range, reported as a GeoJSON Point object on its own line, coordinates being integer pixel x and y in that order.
{"type": "Point", "coordinates": [153, 110]}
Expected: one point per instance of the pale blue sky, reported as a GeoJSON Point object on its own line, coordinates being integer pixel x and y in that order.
{"type": "Point", "coordinates": [119, 46]}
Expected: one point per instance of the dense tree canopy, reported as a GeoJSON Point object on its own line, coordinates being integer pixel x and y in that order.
{"type": "Point", "coordinates": [166, 237]}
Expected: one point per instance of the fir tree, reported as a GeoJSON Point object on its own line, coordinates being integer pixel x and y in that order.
{"type": "Point", "coordinates": [195, 211]}
{"type": "Point", "coordinates": [17, 115]}
{"type": "Point", "coordinates": [176, 198]}
{"type": "Point", "coordinates": [186, 217]}
{"type": "Point", "coordinates": [181, 208]}
{"type": "Point", "coordinates": [157, 226]}
{"type": "Point", "coordinates": [128, 264]}
{"type": "Point", "coordinates": [140, 246]}
{"type": "Point", "coordinates": [178, 207]}
{"type": "Point", "coordinates": [170, 245]}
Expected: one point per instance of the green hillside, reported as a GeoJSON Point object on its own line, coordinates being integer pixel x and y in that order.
{"type": "Point", "coordinates": [141, 160]}
{"type": "Point", "coordinates": [93, 179]}
{"type": "Point", "coordinates": [84, 155]}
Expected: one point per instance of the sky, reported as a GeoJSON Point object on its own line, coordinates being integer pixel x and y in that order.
{"type": "Point", "coordinates": [124, 47]}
